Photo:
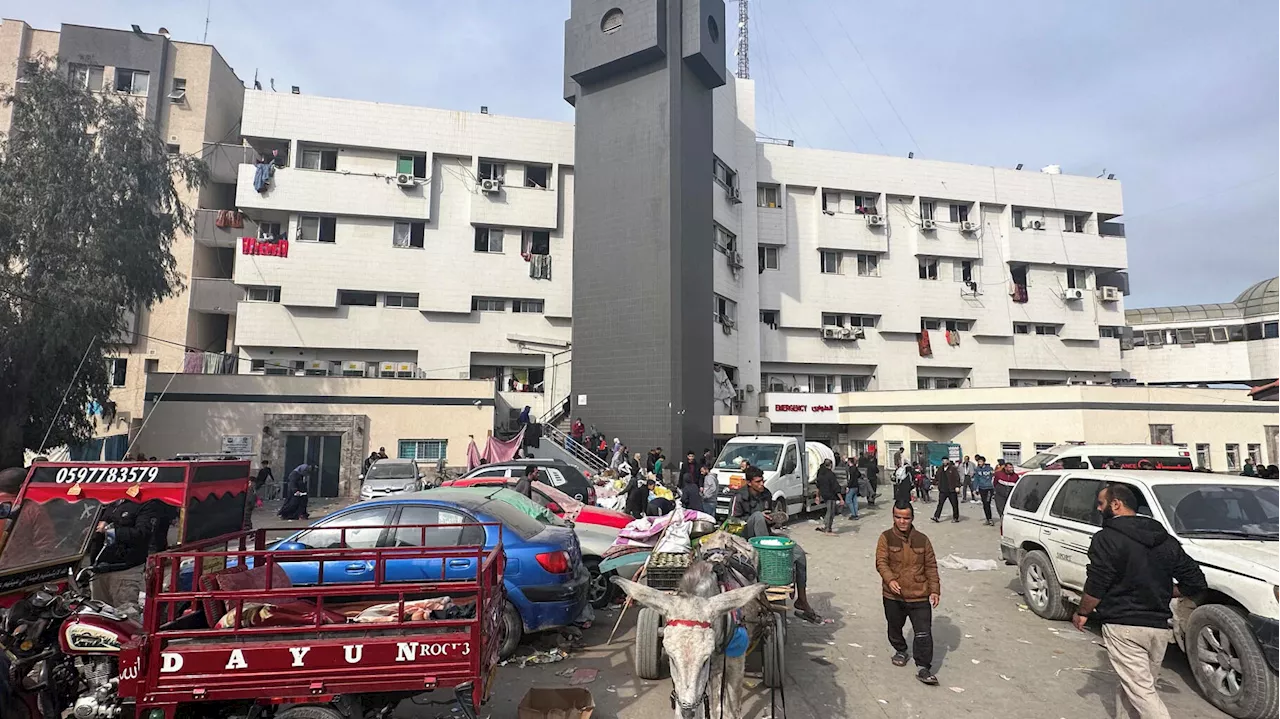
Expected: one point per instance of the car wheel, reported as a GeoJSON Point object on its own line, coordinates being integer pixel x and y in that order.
{"type": "Point", "coordinates": [1040, 586]}
{"type": "Point", "coordinates": [780, 505]}
{"type": "Point", "coordinates": [512, 631]}
{"type": "Point", "coordinates": [602, 592]}
{"type": "Point", "coordinates": [649, 664]}
{"type": "Point", "coordinates": [310, 711]}
{"type": "Point", "coordinates": [1228, 664]}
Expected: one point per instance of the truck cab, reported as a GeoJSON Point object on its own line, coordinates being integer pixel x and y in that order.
{"type": "Point", "coordinates": [778, 457]}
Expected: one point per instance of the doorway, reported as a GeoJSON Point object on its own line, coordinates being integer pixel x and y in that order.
{"type": "Point", "coordinates": [322, 451]}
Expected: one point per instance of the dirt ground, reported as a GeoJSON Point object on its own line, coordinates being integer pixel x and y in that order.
{"type": "Point", "coordinates": [994, 658]}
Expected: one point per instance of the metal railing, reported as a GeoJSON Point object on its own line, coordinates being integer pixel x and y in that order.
{"type": "Point", "coordinates": [575, 448]}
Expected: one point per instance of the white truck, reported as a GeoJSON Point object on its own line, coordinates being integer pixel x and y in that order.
{"type": "Point", "coordinates": [778, 458]}
{"type": "Point", "coordinates": [1227, 525]}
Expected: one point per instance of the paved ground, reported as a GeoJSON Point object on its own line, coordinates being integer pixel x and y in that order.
{"type": "Point", "coordinates": [993, 657]}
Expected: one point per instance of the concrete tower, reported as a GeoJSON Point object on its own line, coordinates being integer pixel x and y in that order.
{"type": "Point", "coordinates": [640, 75]}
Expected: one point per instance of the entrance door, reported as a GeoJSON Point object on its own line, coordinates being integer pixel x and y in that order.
{"type": "Point", "coordinates": [323, 451]}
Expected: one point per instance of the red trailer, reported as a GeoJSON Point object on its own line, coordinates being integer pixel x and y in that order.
{"type": "Point", "coordinates": [223, 639]}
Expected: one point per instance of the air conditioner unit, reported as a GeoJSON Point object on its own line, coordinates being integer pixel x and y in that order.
{"type": "Point", "coordinates": [875, 220]}
{"type": "Point", "coordinates": [832, 332]}
{"type": "Point", "coordinates": [490, 186]}
{"type": "Point", "coordinates": [968, 227]}
{"type": "Point", "coordinates": [386, 369]}
{"type": "Point", "coordinates": [406, 370]}
{"type": "Point", "coordinates": [735, 195]}
{"type": "Point", "coordinates": [928, 225]}
{"type": "Point", "coordinates": [1033, 224]}
{"type": "Point", "coordinates": [316, 368]}
{"type": "Point", "coordinates": [1110, 294]}
{"type": "Point", "coordinates": [351, 368]}
{"type": "Point", "coordinates": [405, 179]}
{"type": "Point", "coordinates": [1073, 293]}
{"type": "Point", "coordinates": [735, 259]}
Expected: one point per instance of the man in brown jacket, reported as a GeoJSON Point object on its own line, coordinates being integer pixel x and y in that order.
{"type": "Point", "coordinates": [909, 582]}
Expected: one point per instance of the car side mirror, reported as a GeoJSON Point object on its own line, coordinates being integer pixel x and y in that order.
{"type": "Point", "coordinates": [290, 546]}
{"type": "Point", "coordinates": [6, 510]}
{"type": "Point", "coordinates": [362, 478]}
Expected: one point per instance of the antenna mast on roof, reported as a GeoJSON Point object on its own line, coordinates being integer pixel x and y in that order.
{"type": "Point", "coordinates": [744, 63]}
{"type": "Point", "coordinates": [207, 6]}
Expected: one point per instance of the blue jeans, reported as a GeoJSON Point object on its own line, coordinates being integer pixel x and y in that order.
{"type": "Point", "coordinates": [851, 501]}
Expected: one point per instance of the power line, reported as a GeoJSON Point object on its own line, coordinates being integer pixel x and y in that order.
{"type": "Point", "coordinates": [840, 78]}
{"type": "Point", "coordinates": [874, 79]}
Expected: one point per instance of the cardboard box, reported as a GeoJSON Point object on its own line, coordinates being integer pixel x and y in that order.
{"type": "Point", "coordinates": [556, 703]}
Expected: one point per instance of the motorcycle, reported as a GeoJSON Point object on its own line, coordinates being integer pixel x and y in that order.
{"type": "Point", "coordinates": [60, 650]}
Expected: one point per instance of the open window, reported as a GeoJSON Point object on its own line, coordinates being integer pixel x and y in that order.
{"type": "Point", "coordinates": [413, 165]}
{"type": "Point", "coordinates": [537, 176]}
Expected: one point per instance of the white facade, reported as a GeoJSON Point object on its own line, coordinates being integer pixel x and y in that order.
{"type": "Point", "coordinates": [826, 263]}
{"type": "Point", "coordinates": [1235, 342]}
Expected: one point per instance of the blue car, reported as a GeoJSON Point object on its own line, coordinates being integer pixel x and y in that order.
{"type": "Point", "coordinates": [545, 580]}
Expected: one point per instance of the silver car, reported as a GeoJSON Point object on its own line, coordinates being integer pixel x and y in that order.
{"type": "Point", "coordinates": [390, 476]}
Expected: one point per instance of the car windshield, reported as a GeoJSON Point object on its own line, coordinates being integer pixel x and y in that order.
{"type": "Point", "coordinates": [764, 456]}
{"type": "Point", "coordinates": [49, 532]}
{"type": "Point", "coordinates": [1222, 511]}
{"type": "Point", "coordinates": [392, 470]}
{"type": "Point", "coordinates": [1038, 461]}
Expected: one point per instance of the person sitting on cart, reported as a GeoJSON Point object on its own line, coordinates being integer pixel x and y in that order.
{"type": "Point", "coordinates": [753, 503]}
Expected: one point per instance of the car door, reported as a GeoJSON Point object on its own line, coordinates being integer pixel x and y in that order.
{"type": "Point", "coordinates": [364, 529]}
{"type": "Point", "coordinates": [1073, 519]}
{"type": "Point", "coordinates": [455, 528]}
{"type": "Point", "coordinates": [789, 476]}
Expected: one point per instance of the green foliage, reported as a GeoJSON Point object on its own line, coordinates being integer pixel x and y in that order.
{"type": "Point", "coordinates": [89, 209]}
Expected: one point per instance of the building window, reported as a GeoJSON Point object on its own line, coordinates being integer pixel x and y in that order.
{"type": "Point", "coordinates": [488, 239]}
{"type": "Point", "coordinates": [1046, 329]}
{"type": "Point", "coordinates": [490, 170]}
{"type": "Point", "coordinates": [724, 174]}
{"type": "Point", "coordinates": [88, 77]}
{"type": "Point", "coordinates": [767, 196]}
{"type": "Point", "coordinates": [1043, 447]}
{"type": "Point", "coordinates": [317, 229]}
{"type": "Point", "coordinates": [855, 383]}
{"type": "Point", "coordinates": [262, 294]}
{"type": "Point", "coordinates": [271, 231]}
{"type": "Point", "coordinates": [353, 298]}
{"type": "Point", "coordinates": [1072, 222]}
{"type": "Point", "coordinates": [1077, 279]}
{"type": "Point", "coordinates": [868, 265]}
{"type": "Point", "coordinates": [179, 92]}
{"type": "Point", "coordinates": [423, 450]}
{"type": "Point", "coordinates": [840, 319]}
{"type": "Point", "coordinates": [538, 176]}
{"type": "Point", "coordinates": [408, 234]}
{"type": "Point", "coordinates": [1020, 328]}
{"type": "Point", "coordinates": [926, 209]}
{"type": "Point", "coordinates": [118, 368]}
{"type": "Point", "coordinates": [412, 165]}
{"type": "Point", "coordinates": [1161, 433]}
{"type": "Point", "coordinates": [151, 366]}
{"type": "Point", "coordinates": [726, 311]}
{"type": "Point", "coordinates": [1154, 338]}
{"type": "Point", "coordinates": [767, 257]}
{"type": "Point", "coordinates": [865, 204]}
{"type": "Point", "coordinates": [257, 366]}
{"type": "Point", "coordinates": [1255, 453]}
{"type": "Point", "coordinates": [1106, 332]}
{"type": "Point", "coordinates": [1186, 337]}
{"type": "Point", "coordinates": [536, 242]}
{"type": "Point", "coordinates": [769, 318]}
{"type": "Point", "coordinates": [315, 158]}
{"type": "Point", "coordinates": [1271, 330]}
{"type": "Point", "coordinates": [725, 241]}
{"type": "Point", "coordinates": [1203, 456]}
{"type": "Point", "coordinates": [830, 202]}
{"type": "Point", "coordinates": [830, 261]}
{"type": "Point", "coordinates": [527, 306]}
{"type": "Point", "coordinates": [1011, 452]}
{"type": "Point", "coordinates": [1200, 334]}
{"type": "Point", "coordinates": [963, 271]}
{"type": "Point", "coordinates": [957, 325]}
{"type": "Point", "coordinates": [1233, 458]}
{"type": "Point", "coordinates": [822, 383]}
{"type": "Point", "coordinates": [133, 82]}
{"type": "Point", "coordinates": [939, 382]}
{"type": "Point", "coordinates": [173, 149]}
{"type": "Point", "coordinates": [1019, 219]}
{"type": "Point", "coordinates": [406, 300]}
{"type": "Point", "coordinates": [959, 213]}
{"type": "Point", "coordinates": [488, 304]}
{"type": "Point", "coordinates": [928, 268]}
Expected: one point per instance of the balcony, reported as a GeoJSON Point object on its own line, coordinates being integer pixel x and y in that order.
{"type": "Point", "coordinates": [224, 160]}
{"type": "Point", "coordinates": [208, 232]}
{"type": "Point", "coordinates": [948, 241]}
{"type": "Point", "coordinates": [333, 193]}
{"type": "Point", "coordinates": [531, 207]}
{"type": "Point", "coordinates": [851, 232]}
{"type": "Point", "coordinates": [1079, 249]}
{"type": "Point", "coordinates": [215, 296]}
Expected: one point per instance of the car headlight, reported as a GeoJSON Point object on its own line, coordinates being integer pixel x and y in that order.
{"type": "Point", "coordinates": [366, 491]}
{"type": "Point", "coordinates": [410, 486]}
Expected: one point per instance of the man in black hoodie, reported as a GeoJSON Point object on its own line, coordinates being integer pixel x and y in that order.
{"type": "Point", "coordinates": [124, 536]}
{"type": "Point", "coordinates": [828, 486]}
{"type": "Point", "coordinates": [1133, 563]}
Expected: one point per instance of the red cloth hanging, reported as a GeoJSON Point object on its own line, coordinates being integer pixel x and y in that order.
{"type": "Point", "coordinates": [926, 350]}
{"type": "Point", "coordinates": [254, 246]}
{"type": "Point", "coordinates": [1019, 293]}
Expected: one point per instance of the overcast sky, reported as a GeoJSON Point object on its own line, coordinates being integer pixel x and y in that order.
{"type": "Point", "coordinates": [1178, 99]}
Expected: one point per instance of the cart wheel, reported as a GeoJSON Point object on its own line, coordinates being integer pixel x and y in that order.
{"type": "Point", "coordinates": [309, 711]}
{"type": "Point", "coordinates": [774, 647]}
{"type": "Point", "coordinates": [649, 657]}
{"type": "Point", "coordinates": [512, 631]}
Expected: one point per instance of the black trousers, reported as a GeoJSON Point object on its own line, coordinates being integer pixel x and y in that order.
{"type": "Point", "coordinates": [1002, 497]}
{"type": "Point", "coordinates": [896, 613]}
{"type": "Point", "coordinates": [943, 498]}
{"type": "Point", "coordinates": [986, 501]}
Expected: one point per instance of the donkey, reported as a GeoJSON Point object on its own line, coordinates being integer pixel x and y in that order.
{"type": "Point", "coordinates": [694, 639]}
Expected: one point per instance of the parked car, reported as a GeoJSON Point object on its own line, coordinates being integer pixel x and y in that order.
{"type": "Point", "coordinates": [390, 476]}
{"type": "Point", "coordinates": [1095, 456]}
{"type": "Point", "coordinates": [1228, 526]}
{"type": "Point", "coordinates": [596, 527]}
{"type": "Point", "coordinates": [545, 580]}
{"type": "Point", "coordinates": [559, 474]}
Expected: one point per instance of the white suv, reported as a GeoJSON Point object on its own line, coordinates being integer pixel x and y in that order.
{"type": "Point", "coordinates": [1227, 525]}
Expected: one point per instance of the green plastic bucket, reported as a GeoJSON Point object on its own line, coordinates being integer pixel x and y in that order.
{"type": "Point", "coordinates": [775, 560]}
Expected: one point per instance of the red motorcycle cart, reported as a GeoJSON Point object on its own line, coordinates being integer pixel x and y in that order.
{"type": "Point", "coordinates": [245, 642]}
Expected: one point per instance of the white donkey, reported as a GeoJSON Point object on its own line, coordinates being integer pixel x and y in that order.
{"type": "Point", "coordinates": [694, 637]}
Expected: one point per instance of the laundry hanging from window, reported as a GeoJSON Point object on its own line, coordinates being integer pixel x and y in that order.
{"type": "Point", "coordinates": [926, 350]}
{"type": "Point", "coordinates": [229, 218]}
{"type": "Point", "coordinates": [540, 267]}
{"type": "Point", "coordinates": [269, 248]}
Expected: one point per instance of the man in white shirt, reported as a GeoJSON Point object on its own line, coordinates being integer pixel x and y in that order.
{"type": "Point", "coordinates": [967, 468]}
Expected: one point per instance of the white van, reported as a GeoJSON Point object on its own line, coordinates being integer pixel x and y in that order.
{"type": "Point", "coordinates": [776, 456]}
{"type": "Point", "coordinates": [1096, 456]}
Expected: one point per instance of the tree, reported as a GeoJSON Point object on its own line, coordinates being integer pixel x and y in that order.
{"type": "Point", "coordinates": [89, 208]}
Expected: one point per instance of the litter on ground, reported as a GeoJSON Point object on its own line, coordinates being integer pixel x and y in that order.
{"type": "Point", "coordinates": [952, 561]}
